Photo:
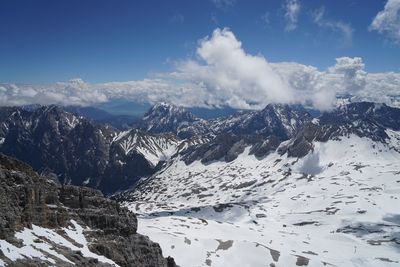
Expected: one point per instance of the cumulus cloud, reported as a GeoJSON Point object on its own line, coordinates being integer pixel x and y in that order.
{"type": "Point", "coordinates": [78, 92]}
{"type": "Point", "coordinates": [74, 92]}
{"type": "Point", "coordinates": [224, 74]}
{"type": "Point", "coordinates": [387, 21]}
{"type": "Point", "coordinates": [227, 72]}
{"type": "Point", "coordinates": [292, 11]}
{"type": "Point", "coordinates": [353, 75]}
{"type": "Point", "coordinates": [340, 27]}
{"type": "Point", "coordinates": [346, 79]}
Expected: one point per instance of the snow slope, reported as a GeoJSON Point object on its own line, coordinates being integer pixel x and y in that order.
{"type": "Point", "coordinates": [154, 148]}
{"type": "Point", "coordinates": [338, 206]}
{"type": "Point", "coordinates": [45, 244]}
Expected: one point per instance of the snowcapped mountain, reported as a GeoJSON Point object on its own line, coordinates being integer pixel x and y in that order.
{"type": "Point", "coordinates": [163, 118]}
{"type": "Point", "coordinates": [282, 121]}
{"type": "Point", "coordinates": [364, 119]}
{"type": "Point", "coordinates": [118, 121]}
{"type": "Point", "coordinates": [276, 187]}
{"type": "Point", "coordinates": [80, 151]}
{"type": "Point", "coordinates": [154, 148]}
{"type": "Point", "coordinates": [271, 187]}
{"type": "Point", "coordinates": [135, 154]}
{"type": "Point", "coordinates": [262, 130]}
{"type": "Point", "coordinates": [377, 122]}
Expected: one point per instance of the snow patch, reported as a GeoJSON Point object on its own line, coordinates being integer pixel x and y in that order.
{"type": "Point", "coordinates": [394, 139]}
{"type": "Point", "coordinates": [266, 211]}
{"type": "Point", "coordinates": [38, 241]}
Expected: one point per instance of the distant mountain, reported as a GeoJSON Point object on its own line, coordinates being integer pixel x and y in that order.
{"type": "Point", "coordinates": [167, 118]}
{"type": "Point", "coordinates": [282, 121]}
{"type": "Point", "coordinates": [212, 112]}
{"type": "Point", "coordinates": [124, 107]}
{"type": "Point", "coordinates": [138, 109]}
{"type": "Point", "coordinates": [365, 117]}
{"type": "Point", "coordinates": [377, 122]}
{"type": "Point", "coordinates": [263, 130]}
{"type": "Point", "coordinates": [164, 117]}
{"type": "Point", "coordinates": [80, 151]}
{"type": "Point", "coordinates": [279, 120]}
{"type": "Point", "coordinates": [93, 113]}
{"type": "Point", "coordinates": [121, 122]}
{"type": "Point", "coordinates": [134, 154]}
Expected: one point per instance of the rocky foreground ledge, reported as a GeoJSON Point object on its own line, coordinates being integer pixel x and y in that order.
{"type": "Point", "coordinates": [43, 223]}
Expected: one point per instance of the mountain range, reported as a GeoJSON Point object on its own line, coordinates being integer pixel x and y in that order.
{"type": "Point", "coordinates": [83, 151]}
{"type": "Point", "coordinates": [255, 187]}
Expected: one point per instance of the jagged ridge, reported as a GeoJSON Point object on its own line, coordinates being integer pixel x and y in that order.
{"type": "Point", "coordinates": [78, 224]}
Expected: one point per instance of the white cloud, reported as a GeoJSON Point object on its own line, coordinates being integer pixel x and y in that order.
{"type": "Point", "coordinates": [223, 74]}
{"type": "Point", "coordinates": [347, 78]}
{"type": "Point", "coordinates": [225, 70]}
{"type": "Point", "coordinates": [353, 76]}
{"type": "Point", "coordinates": [341, 27]}
{"type": "Point", "coordinates": [74, 92]}
{"type": "Point", "coordinates": [387, 21]}
{"type": "Point", "coordinates": [292, 11]}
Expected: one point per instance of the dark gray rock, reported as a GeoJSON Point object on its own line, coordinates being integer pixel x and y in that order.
{"type": "Point", "coordinates": [27, 198]}
{"type": "Point", "coordinates": [78, 150]}
{"type": "Point", "coordinates": [362, 119]}
{"type": "Point", "coordinates": [167, 118]}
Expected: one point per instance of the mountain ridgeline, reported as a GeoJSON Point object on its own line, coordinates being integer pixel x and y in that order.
{"type": "Point", "coordinates": [79, 151]}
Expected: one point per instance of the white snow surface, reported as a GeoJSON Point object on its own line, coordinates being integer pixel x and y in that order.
{"type": "Point", "coordinates": [338, 206]}
{"type": "Point", "coordinates": [154, 148]}
{"type": "Point", "coordinates": [41, 243]}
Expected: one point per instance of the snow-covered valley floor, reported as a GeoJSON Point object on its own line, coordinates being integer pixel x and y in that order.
{"type": "Point", "coordinates": [338, 206]}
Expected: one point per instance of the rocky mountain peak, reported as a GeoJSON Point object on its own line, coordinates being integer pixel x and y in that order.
{"type": "Point", "coordinates": [289, 118]}
{"type": "Point", "coordinates": [165, 117]}
{"type": "Point", "coordinates": [279, 120]}
{"type": "Point", "coordinates": [363, 115]}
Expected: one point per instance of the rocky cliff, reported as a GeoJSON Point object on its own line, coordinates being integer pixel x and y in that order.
{"type": "Point", "coordinates": [43, 223]}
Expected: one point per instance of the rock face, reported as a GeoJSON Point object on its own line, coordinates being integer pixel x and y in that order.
{"type": "Point", "coordinates": [280, 120]}
{"type": "Point", "coordinates": [262, 130]}
{"type": "Point", "coordinates": [228, 146]}
{"type": "Point", "coordinates": [29, 202]}
{"type": "Point", "coordinates": [167, 118]}
{"type": "Point", "coordinates": [364, 119]}
{"type": "Point", "coordinates": [78, 150]}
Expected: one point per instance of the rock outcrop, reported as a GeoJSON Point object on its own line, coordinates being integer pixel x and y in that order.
{"type": "Point", "coordinates": [29, 201]}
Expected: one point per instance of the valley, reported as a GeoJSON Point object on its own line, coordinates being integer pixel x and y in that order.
{"type": "Point", "coordinates": [274, 187]}
{"type": "Point", "coordinates": [335, 207]}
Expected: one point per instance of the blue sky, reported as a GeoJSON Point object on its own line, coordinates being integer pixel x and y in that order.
{"type": "Point", "coordinates": [100, 41]}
